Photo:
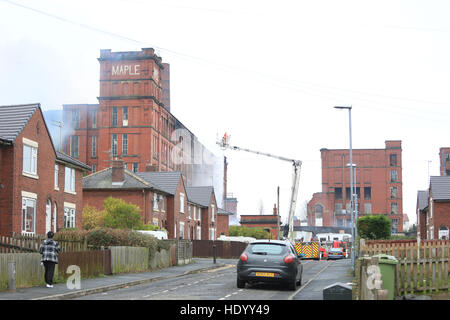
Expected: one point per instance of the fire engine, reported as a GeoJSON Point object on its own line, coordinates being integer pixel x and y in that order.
{"type": "Point", "coordinates": [310, 249]}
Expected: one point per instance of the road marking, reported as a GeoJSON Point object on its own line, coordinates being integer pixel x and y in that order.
{"type": "Point", "coordinates": [309, 281]}
{"type": "Point", "coordinates": [221, 268]}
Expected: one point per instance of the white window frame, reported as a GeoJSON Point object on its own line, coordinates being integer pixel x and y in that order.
{"type": "Point", "coordinates": [181, 230]}
{"type": "Point", "coordinates": [69, 180]}
{"type": "Point", "coordinates": [56, 176]}
{"type": "Point", "coordinates": [155, 202]}
{"type": "Point", "coordinates": [213, 207]}
{"type": "Point", "coordinates": [182, 197]}
{"type": "Point", "coordinates": [30, 158]}
{"type": "Point", "coordinates": [29, 200]}
{"type": "Point", "coordinates": [189, 211]}
{"type": "Point", "coordinates": [69, 215]}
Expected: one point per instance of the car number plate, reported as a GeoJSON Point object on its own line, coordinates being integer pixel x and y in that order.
{"type": "Point", "coordinates": [265, 274]}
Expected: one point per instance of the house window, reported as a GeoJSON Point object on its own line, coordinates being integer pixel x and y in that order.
{"type": "Point", "coordinates": [199, 233]}
{"type": "Point", "coordinates": [125, 144]}
{"type": "Point", "coordinates": [114, 144]}
{"type": "Point", "coordinates": [30, 159]}
{"type": "Point", "coordinates": [94, 146]}
{"type": "Point", "coordinates": [56, 176]}
{"type": "Point", "coordinates": [125, 116]}
{"type": "Point", "coordinates": [114, 117]}
{"type": "Point", "coordinates": [69, 180]}
{"type": "Point", "coordinates": [181, 203]}
{"type": "Point", "coordinates": [394, 176]}
{"type": "Point", "coordinates": [181, 230]}
{"type": "Point", "coordinates": [367, 208]}
{"type": "Point", "coordinates": [74, 146]}
{"type": "Point", "coordinates": [155, 201]}
{"type": "Point", "coordinates": [69, 217]}
{"type": "Point", "coordinates": [213, 213]}
{"type": "Point", "coordinates": [338, 208]}
{"type": "Point", "coordinates": [189, 211]}
{"type": "Point", "coordinates": [163, 204]}
{"type": "Point", "coordinates": [28, 215]}
{"type": "Point", "coordinates": [94, 168]}
{"type": "Point", "coordinates": [135, 166]}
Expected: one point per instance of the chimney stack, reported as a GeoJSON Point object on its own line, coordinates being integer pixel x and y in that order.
{"type": "Point", "coordinates": [275, 211]}
{"type": "Point", "coordinates": [118, 171]}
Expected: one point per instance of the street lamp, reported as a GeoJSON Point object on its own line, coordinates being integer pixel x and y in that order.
{"type": "Point", "coordinates": [349, 108]}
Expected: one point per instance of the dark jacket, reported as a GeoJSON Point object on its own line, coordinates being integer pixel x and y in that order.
{"type": "Point", "coordinates": [49, 250]}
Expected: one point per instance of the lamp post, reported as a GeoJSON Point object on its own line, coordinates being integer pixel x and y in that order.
{"type": "Point", "coordinates": [349, 108]}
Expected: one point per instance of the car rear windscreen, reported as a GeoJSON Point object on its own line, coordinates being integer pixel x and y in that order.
{"type": "Point", "coordinates": [267, 248]}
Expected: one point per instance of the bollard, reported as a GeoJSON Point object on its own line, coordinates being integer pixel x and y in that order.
{"type": "Point", "coordinates": [214, 253]}
{"type": "Point", "coordinates": [12, 276]}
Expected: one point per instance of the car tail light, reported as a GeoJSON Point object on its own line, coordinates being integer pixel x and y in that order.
{"type": "Point", "coordinates": [289, 259]}
{"type": "Point", "coordinates": [244, 257]}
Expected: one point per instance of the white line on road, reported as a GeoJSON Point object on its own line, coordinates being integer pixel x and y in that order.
{"type": "Point", "coordinates": [309, 281]}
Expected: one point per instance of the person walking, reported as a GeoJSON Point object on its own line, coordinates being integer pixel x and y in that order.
{"type": "Point", "coordinates": [49, 250]}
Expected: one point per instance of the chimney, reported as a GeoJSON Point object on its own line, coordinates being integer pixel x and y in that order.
{"type": "Point", "coordinates": [275, 211]}
{"type": "Point", "coordinates": [118, 171]}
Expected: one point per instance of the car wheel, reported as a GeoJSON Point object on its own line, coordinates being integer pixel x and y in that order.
{"type": "Point", "coordinates": [240, 283]}
{"type": "Point", "coordinates": [292, 285]}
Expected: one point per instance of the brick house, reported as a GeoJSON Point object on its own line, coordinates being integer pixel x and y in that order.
{"type": "Point", "coordinates": [205, 198]}
{"type": "Point", "coordinates": [223, 221]}
{"type": "Point", "coordinates": [162, 196]}
{"type": "Point", "coordinates": [422, 204]}
{"type": "Point", "coordinates": [378, 186]}
{"type": "Point", "coordinates": [40, 187]}
{"type": "Point", "coordinates": [434, 214]}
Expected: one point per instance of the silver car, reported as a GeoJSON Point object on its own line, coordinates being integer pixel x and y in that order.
{"type": "Point", "coordinates": [270, 261]}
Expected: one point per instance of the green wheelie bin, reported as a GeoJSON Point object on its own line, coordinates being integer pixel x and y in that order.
{"type": "Point", "coordinates": [387, 266]}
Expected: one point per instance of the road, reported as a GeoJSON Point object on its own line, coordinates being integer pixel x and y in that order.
{"type": "Point", "coordinates": [220, 284]}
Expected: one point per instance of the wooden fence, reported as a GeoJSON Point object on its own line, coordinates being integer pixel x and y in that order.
{"type": "Point", "coordinates": [422, 268]}
{"type": "Point", "coordinates": [21, 243]}
{"type": "Point", "coordinates": [224, 249]}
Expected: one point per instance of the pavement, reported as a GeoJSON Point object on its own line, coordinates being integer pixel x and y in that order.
{"type": "Point", "coordinates": [61, 291]}
{"type": "Point", "coordinates": [321, 275]}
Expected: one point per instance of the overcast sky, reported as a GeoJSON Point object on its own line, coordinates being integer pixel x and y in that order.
{"type": "Point", "coordinates": [266, 72]}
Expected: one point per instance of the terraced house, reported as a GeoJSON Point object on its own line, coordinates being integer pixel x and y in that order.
{"type": "Point", "coordinates": [40, 188]}
{"type": "Point", "coordinates": [163, 198]}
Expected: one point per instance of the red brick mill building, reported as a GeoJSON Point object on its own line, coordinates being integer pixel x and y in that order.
{"type": "Point", "coordinates": [378, 186]}
{"type": "Point", "coordinates": [132, 120]}
{"type": "Point", "coordinates": [132, 123]}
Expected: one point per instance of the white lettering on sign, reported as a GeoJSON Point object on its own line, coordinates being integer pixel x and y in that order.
{"type": "Point", "coordinates": [121, 70]}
